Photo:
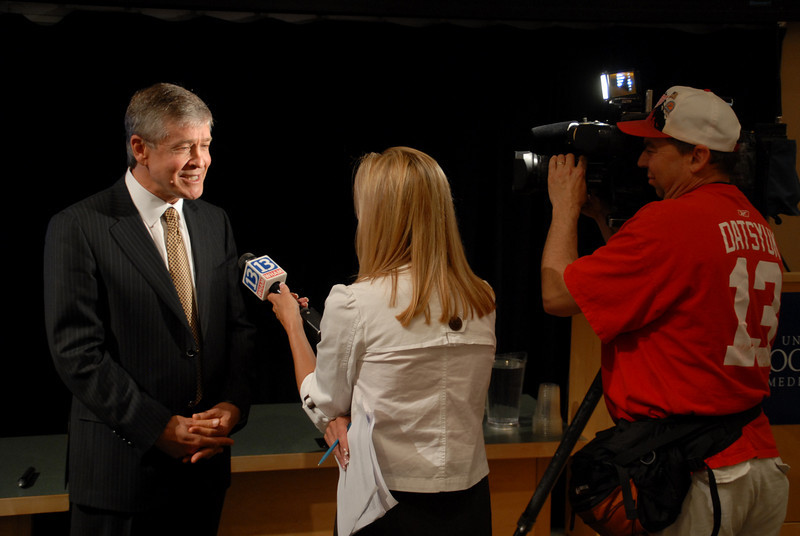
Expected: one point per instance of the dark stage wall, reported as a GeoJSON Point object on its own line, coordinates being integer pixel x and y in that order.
{"type": "Point", "coordinates": [295, 105]}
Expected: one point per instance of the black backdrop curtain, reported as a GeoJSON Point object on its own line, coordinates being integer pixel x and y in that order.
{"type": "Point", "coordinates": [295, 104]}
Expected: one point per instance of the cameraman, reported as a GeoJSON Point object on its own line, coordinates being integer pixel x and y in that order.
{"type": "Point", "coordinates": [685, 299]}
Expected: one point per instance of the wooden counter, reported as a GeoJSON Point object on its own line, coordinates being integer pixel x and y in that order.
{"type": "Point", "coordinates": [288, 494]}
{"type": "Point", "coordinates": [277, 487]}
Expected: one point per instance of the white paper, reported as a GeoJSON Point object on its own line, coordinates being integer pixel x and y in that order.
{"type": "Point", "coordinates": [362, 495]}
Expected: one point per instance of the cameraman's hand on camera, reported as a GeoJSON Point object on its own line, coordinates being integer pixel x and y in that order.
{"type": "Point", "coordinates": [566, 185]}
{"type": "Point", "coordinates": [597, 209]}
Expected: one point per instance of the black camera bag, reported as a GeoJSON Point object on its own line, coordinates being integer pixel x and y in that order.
{"type": "Point", "coordinates": [631, 479]}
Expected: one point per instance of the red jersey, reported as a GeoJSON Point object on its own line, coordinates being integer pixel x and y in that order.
{"type": "Point", "coordinates": [685, 300]}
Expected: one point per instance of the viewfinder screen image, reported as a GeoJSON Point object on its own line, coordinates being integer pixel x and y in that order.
{"type": "Point", "coordinates": [616, 85]}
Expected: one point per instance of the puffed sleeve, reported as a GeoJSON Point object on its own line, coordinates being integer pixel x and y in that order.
{"type": "Point", "coordinates": [326, 393]}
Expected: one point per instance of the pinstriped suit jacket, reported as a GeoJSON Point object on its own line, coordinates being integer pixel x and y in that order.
{"type": "Point", "coordinates": [122, 344]}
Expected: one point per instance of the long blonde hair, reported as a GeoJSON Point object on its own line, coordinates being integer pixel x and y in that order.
{"type": "Point", "coordinates": [406, 218]}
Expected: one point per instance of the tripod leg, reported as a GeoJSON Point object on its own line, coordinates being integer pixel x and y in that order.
{"type": "Point", "coordinates": [561, 456]}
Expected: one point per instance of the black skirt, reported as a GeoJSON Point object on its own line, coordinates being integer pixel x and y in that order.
{"type": "Point", "coordinates": [464, 513]}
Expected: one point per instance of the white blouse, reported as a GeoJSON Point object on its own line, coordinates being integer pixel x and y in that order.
{"type": "Point", "coordinates": [425, 383]}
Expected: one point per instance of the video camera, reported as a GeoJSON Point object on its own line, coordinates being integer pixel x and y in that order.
{"type": "Point", "coordinates": [611, 174]}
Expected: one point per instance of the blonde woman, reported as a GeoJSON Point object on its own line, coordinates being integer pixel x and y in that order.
{"type": "Point", "coordinates": [414, 338]}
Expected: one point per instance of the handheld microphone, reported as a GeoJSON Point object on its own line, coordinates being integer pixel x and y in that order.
{"type": "Point", "coordinates": [263, 276]}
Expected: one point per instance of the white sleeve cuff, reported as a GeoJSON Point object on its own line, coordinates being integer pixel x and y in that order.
{"type": "Point", "coordinates": [319, 419]}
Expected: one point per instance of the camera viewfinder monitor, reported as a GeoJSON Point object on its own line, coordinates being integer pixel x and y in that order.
{"type": "Point", "coordinates": [619, 86]}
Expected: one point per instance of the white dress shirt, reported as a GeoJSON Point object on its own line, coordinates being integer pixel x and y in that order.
{"type": "Point", "coordinates": [151, 209]}
{"type": "Point", "coordinates": [426, 384]}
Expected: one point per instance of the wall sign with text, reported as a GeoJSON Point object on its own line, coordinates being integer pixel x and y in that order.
{"type": "Point", "coordinates": [783, 406]}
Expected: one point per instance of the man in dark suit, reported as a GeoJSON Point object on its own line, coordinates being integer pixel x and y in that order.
{"type": "Point", "coordinates": [147, 328]}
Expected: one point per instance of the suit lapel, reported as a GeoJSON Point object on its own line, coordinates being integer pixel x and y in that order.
{"type": "Point", "coordinates": [200, 232]}
{"type": "Point", "coordinates": [135, 241]}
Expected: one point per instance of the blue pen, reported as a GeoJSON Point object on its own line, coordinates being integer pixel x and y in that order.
{"type": "Point", "coordinates": [325, 456]}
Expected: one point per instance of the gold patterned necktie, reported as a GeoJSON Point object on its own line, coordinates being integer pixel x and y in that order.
{"type": "Point", "coordinates": [179, 270]}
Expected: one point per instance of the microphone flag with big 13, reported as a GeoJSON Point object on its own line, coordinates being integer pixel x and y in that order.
{"type": "Point", "coordinates": [260, 274]}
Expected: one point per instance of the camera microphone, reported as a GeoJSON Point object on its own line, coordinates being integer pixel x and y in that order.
{"type": "Point", "coordinates": [262, 276]}
{"type": "Point", "coordinates": [553, 131]}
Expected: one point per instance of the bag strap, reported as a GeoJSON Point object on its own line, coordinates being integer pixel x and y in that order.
{"type": "Point", "coordinates": [665, 438]}
{"type": "Point", "coordinates": [715, 503]}
{"type": "Point", "coordinates": [690, 427]}
{"type": "Point", "coordinates": [627, 494]}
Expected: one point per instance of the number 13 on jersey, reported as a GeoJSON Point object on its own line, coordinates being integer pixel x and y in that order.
{"type": "Point", "coordinates": [748, 348]}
